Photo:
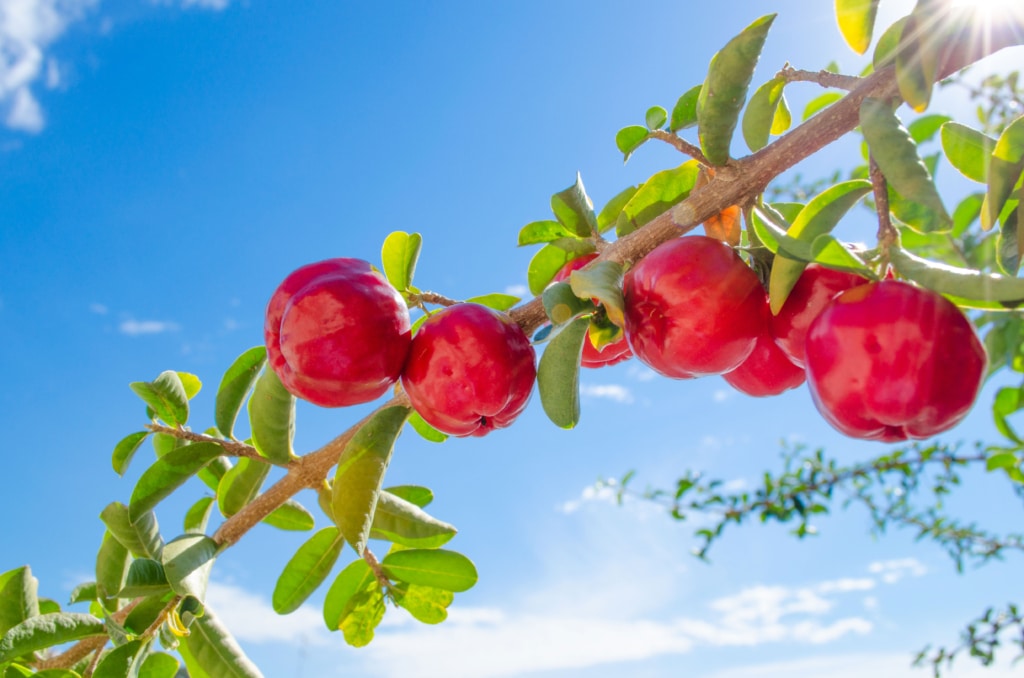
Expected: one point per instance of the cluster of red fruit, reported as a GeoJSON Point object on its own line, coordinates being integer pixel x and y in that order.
{"type": "Point", "coordinates": [338, 333]}
{"type": "Point", "coordinates": [884, 360]}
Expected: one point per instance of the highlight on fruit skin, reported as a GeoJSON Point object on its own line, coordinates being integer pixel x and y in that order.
{"type": "Point", "coordinates": [890, 361]}
{"type": "Point", "coordinates": [470, 370]}
{"type": "Point", "coordinates": [337, 333]}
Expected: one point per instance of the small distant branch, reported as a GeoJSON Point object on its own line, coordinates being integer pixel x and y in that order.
{"type": "Point", "coordinates": [232, 447]}
{"type": "Point", "coordinates": [680, 144]}
{"type": "Point", "coordinates": [823, 78]}
{"type": "Point", "coordinates": [980, 639]}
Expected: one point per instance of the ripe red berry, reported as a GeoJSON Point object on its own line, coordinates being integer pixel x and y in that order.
{"type": "Point", "coordinates": [767, 371]}
{"type": "Point", "coordinates": [813, 291]}
{"type": "Point", "coordinates": [693, 308]}
{"type": "Point", "coordinates": [470, 370]}
{"type": "Point", "coordinates": [594, 357]}
{"type": "Point", "coordinates": [337, 333]}
{"type": "Point", "coordinates": [889, 361]}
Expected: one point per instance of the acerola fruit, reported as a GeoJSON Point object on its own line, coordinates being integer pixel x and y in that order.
{"type": "Point", "coordinates": [470, 370]}
{"type": "Point", "coordinates": [337, 333]}
{"type": "Point", "coordinates": [890, 361]}
{"type": "Point", "coordinates": [594, 357]}
{"type": "Point", "coordinates": [813, 291]}
{"type": "Point", "coordinates": [767, 371]}
{"type": "Point", "coordinates": [693, 308]}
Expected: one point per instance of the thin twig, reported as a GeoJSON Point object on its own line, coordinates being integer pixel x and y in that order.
{"type": "Point", "coordinates": [234, 448]}
{"type": "Point", "coordinates": [887, 235]}
{"type": "Point", "coordinates": [823, 78]}
{"type": "Point", "coordinates": [680, 144]}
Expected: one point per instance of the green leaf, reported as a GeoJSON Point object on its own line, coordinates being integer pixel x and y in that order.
{"type": "Point", "coordinates": [210, 651]}
{"type": "Point", "coordinates": [558, 374]}
{"type": "Point", "coordinates": [425, 603]}
{"type": "Point", "coordinates": [967, 150]}
{"type": "Point", "coordinates": [48, 630]}
{"type": "Point", "coordinates": [1006, 402]}
{"type": "Point", "coordinates": [117, 662]}
{"type": "Point", "coordinates": [141, 537]}
{"type": "Point", "coordinates": [18, 597]}
{"type": "Point", "coordinates": [241, 485]}
{"type": "Point", "coordinates": [547, 262]}
{"type": "Point", "coordinates": [446, 570]}
{"type": "Point", "coordinates": [609, 214]}
{"type": "Point", "coordinates": [628, 139]}
{"type": "Point", "coordinates": [111, 569]}
{"type": "Point", "coordinates": [1005, 167]}
{"type": "Point", "coordinates": [896, 155]}
{"type": "Point", "coordinates": [145, 578]}
{"type": "Point", "coordinates": [782, 119]}
{"type": "Point", "coordinates": [656, 117]}
{"type": "Point", "coordinates": [966, 212]}
{"type": "Point", "coordinates": [159, 665]}
{"type": "Point", "coordinates": [495, 300]}
{"type": "Point", "coordinates": [415, 494]}
{"type": "Point", "coordinates": [760, 114]}
{"type": "Point", "coordinates": [725, 89]}
{"type": "Point", "coordinates": [235, 386]}
{"type": "Point", "coordinates": [662, 191]}
{"type": "Point", "coordinates": [187, 561]}
{"type": "Point", "coordinates": [291, 516]}
{"type": "Point", "coordinates": [166, 396]}
{"type": "Point", "coordinates": [403, 522]}
{"type": "Point", "coordinates": [399, 255]}
{"type": "Point", "coordinates": [887, 45]}
{"type": "Point", "coordinates": [191, 384]}
{"type": "Point", "coordinates": [427, 431]}
{"type": "Point", "coordinates": [543, 232]}
{"type": "Point", "coordinates": [924, 128]}
{"type": "Point", "coordinates": [684, 114]}
{"type": "Point", "coordinates": [83, 593]}
{"type": "Point", "coordinates": [359, 625]}
{"type": "Point", "coordinates": [602, 281]}
{"type": "Point", "coordinates": [307, 570]}
{"type": "Point", "coordinates": [820, 102]}
{"type": "Point", "coordinates": [828, 251]}
{"type": "Point", "coordinates": [357, 578]}
{"type": "Point", "coordinates": [575, 211]}
{"type": "Point", "coordinates": [214, 471]}
{"type": "Point", "coordinates": [198, 515]}
{"type": "Point", "coordinates": [361, 467]}
{"type": "Point", "coordinates": [562, 305]}
{"type": "Point", "coordinates": [167, 474]}
{"type": "Point", "coordinates": [57, 673]}
{"type": "Point", "coordinates": [272, 418]}
{"type": "Point", "coordinates": [966, 287]}
{"type": "Point", "coordinates": [1010, 246]}
{"type": "Point", "coordinates": [817, 218]}
{"type": "Point", "coordinates": [856, 20]}
{"type": "Point", "coordinates": [917, 58]}
{"type": "Point", "coordinates": [125, 450]}
{"type": "Point", "coordinates": [1001, 460]}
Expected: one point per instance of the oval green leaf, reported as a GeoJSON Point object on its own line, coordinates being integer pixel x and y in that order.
{"type": "Point", "coordinates": [167, 474]}
{"type": "Point", "coordinates": [537, 232]}
{"type": "Point", "coordinates": [574, 209]}
{"type": "Point", "coordinates": [656, 117]}
{"type": "Point", "coordinates": [399, 255]}
{"type": "Point", "coordinates": [820, 102]}
{"type": "Point", "coordinates": [241, 485]}
{"type": "Point", "coordinates": [272, 418]}
{"type": "Point", "coordinates": [495, 300]}
{"type": "Point", "coordinates": [426, 604]}
{"type": "Point", "coordinates": [628, 139]}
{"type": "Point", "coordinates": [165, 396]}
{"type": "Point", "coordinates": [547, 262]}
{"type": "Point", "coordinates": [609, 214]}
{"type": "Point", "coordinates": [307, 570]}
{"type": "Point", "coordinates": [415, 494]}
{"type": "Point", "coordinates": [1005, 167]}
{"type": "Point", "coordinates": [125, 450]}
{"type": "Point", "coordinates": [18, 597]}
{"type": "Point", "coordinates": [445, 570]}
{"type": "Point", "coordinates": [602, 281]}
{"type": "Point", "coordinates": [725, 89]}
{"type": "Point", "coordinates": [198, 515]}
{"type": "Point", "coordinates": [141, 537]}
{"type": "Point", "coordinates": [360, 474]}
{"type": "Point", "coordinates": [760, 114]}
{"type": "Point", "coordinates": [187, 561]}
{"type": "Point", "coordinates": [967, 150]}
{"type": "Point", "coordinates": [684, 114]}
{"type": "Point", "coordinates": [146, 577]}
{"type": "Point", "coordinates": [966, 287]}
{"type": "Point", "coordinates": [48, 630]}
{"type": "Point", "coordinates": [291, 516]}
{"type": "Point", "coordinates": [111, 569]}
{"type": "Point", "coordinates": [235, 386]}
{"type": "Point", "coordinates": [856, 19]}
{"type": "Point", "coordinates": [887, 45]}
{"type": "Point", "coordinates": [159, 665]}
{"type": "Point", "coordinates": [562, 305]}
{"type": "Point", "coordinates": [425, 430]}
{"type": "Point", "coordinates": [341, 599]}
{"type": "Point", "coordinates": [403, 522]}
{"type": "Point", "coordinates": [210, 651]}
{"type": "Point", "coordinates": [655, 196]}
{"type": "Point", "coordinates": [558, 374]}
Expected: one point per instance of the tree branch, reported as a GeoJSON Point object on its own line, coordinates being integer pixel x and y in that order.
{"type": "Point", "coordinates": [234, 448]}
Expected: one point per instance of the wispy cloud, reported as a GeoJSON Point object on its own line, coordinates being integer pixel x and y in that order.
{"type": "Point", "coordinates": [27, 29]}
{"type": "Point", "coordinates": [98, 309]}
{"type": "Point", "coordinates": [135, 328]}
{"type": "Point", "coordinates": [615, 392]}
{"type": "Point", "coordinates": [891, 571]}
{"type": "Point", "coordinates": [517, 290]}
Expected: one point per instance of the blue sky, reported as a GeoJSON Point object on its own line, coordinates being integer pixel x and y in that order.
{"type": "Point", "coordinates": [164, 165]}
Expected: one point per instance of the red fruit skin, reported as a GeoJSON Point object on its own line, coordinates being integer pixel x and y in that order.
{"type": "Point", "coordinates": [815, 288]}
{"type": "Point", "coordinates": [594, 357]}
{"type": "Point", "coordinates": [470, 370]}
{"type": "Point", "coordinates": [337, 333]}
{"type": "Point", "coordinates": [693, 308]}
{"type": "Point", "coordinates": [889, 361]}
{"type": "Point", "coordinates": [767, 371]}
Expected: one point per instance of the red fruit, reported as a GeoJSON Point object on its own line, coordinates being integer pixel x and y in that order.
{"type": "Point", "coordinates": [889, 361]}
{"type": "Point", "coordinates": [337, 333]}
{"type": "Point", "coordinates": [470, 370]}
{"type": "Point", "coordinates": [767, 371]}
{"type": "Point", "coordinates": [692, 308]}
{"type": "Point", "coordinates": [813, 291]}
{"type": "Point", "coordinates": [610, 354]}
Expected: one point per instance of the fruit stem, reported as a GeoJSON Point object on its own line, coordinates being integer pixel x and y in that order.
{"type": "Point", "coordinates": [887, 234]}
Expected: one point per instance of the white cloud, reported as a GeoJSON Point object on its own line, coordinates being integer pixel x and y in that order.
{"type": "Point", "coordinates": [721, 395]}
{"type": "Point", "coordinates": [616, 392]}
{"type": "Point", "coordinates": [206, 4]}
{"type": "Point", "coordinates": [98, 309]}
{"type": "Point", "coordinates": [856, 666]}
{"type": "Point", "coordinates": [134, 328]}
{"type": "Point", "coordinates": [27, 29]}
{"type": "Point", "coordinates": [517, 290]}
{"type": "Point", "coordinates": [846, 585]}
{"type": "Point", "coordinates": [252, 619]}
{"type": "Point", "coordinates": [590, 494]}
{"type": "Point", "coordinates": [891, 571]}
{"type": "Point", "coordinates": [641, 372]}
